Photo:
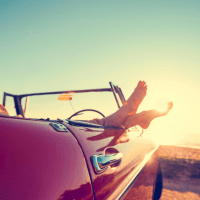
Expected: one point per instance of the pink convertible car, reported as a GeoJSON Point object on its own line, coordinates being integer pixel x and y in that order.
{"type": "Point", "coordinates": [70, 159]}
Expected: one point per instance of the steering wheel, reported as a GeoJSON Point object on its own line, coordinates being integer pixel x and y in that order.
{"type": "Point", "coordinates": [76, 113]}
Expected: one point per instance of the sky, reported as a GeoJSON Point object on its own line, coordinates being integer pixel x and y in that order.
{"type": "Point", "coordinates": [67, 45]}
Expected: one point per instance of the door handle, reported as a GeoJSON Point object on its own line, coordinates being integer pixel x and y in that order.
{"type": "Point", "coordinates": [101, 162]}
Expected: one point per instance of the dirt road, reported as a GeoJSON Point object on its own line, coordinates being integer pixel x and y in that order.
{"type": "Point", "coordinates": [181, 173]}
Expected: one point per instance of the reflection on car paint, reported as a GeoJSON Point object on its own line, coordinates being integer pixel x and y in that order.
{"type": "Point", "coordinates": [133, 149]}
{"type": "Point", "coordinates": [83, 192]}
{"type": "Point", "coordinates": [118, 137]}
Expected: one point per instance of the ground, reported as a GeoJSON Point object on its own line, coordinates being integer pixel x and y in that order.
{"type": "Point", "coordinates": [181, 172]}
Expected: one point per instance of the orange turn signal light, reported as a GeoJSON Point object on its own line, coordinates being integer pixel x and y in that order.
{"type": "Point", "coordinates": [65, 97]}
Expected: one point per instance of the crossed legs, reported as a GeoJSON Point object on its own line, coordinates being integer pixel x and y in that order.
{"type": "Point", "coordinates": [126, 115]}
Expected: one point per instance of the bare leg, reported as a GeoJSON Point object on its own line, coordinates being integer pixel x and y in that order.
{"type": "Point", "coordinates": [129, 108]}
{"type": "Point", "coordinates": [144, 119]}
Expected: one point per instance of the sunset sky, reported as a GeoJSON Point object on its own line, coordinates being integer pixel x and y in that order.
{"type": "Point", "coordinates": [62, 45]}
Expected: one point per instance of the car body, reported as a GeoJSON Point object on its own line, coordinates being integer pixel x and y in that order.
{"type": "Point", "coordinates": [43, 159]}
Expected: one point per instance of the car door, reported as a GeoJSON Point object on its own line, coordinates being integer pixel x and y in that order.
{"type": "Point", "coordinates": [115, 159]}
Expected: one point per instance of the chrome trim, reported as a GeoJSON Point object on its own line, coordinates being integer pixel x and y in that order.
{"type": "Point", "coordinates": [101, 162]}
{"type": "Point", "coordinates": [59, 127]}
{"type": "Point", "coordinates": [83, 123]}
{"type": "Point", "coordinates": [125, 184]}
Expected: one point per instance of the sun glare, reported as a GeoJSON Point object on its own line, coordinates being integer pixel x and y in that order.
{"type": "Point", "coordinates": [162, 108]}
{"type": "Point", "coordinates": [164, 138]}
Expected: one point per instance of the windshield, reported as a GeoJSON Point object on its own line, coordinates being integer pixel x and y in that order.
{"type": "Point", "coordinates": [49, 106]}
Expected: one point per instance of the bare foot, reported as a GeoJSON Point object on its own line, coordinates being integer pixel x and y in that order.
{"type": "Point", "coordinates": [144, 119]}
{"type": "Point", "coordinates": [167, 109]}
{"type": "Point", "coordinates": [136, 98]}
{"type": "Point", "coordinates": [153, 114]}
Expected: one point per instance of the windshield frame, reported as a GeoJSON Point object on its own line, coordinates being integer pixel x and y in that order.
{"type": "Point", "coordinates": [20, 111]}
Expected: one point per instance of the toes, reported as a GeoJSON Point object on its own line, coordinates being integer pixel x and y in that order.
{"type": "Point", "coordinates": [142, 85]}
{"type": "Point", "coordinates": [139, 84]}
{"type": "Point", "coordinates": [170, 105]}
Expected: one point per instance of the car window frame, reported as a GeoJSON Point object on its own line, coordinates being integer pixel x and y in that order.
{"type": "Point", "coordinates": [117, 92]}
